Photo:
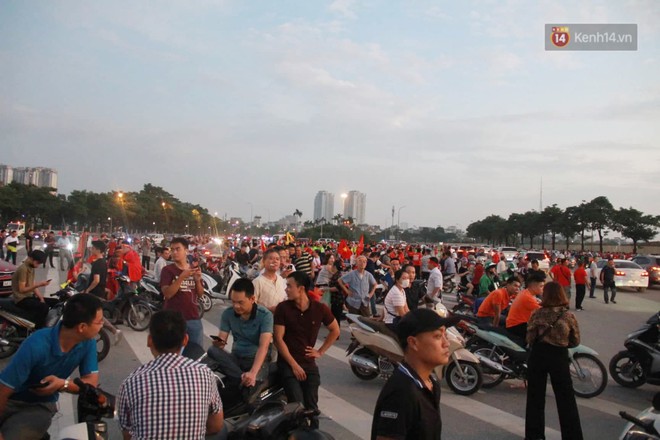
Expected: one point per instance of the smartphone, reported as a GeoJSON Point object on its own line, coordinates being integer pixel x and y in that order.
{"type": "Point", "coordinates": [216, 338]}
{"type": "Point", "coordinates": [39, 385]}
{"type": "Point", "coordinates": [49, 280]}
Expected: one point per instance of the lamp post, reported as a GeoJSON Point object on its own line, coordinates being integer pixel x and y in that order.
{"type": "Point", "coordinates": [250, 230]}
{"type": "Point", "coordinates": [398, 221]}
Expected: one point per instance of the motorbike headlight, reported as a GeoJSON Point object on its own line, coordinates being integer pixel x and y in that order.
{"type": "Point", "coordinates": [69, 246]}
{"type": "Point", "coordinates": [441, 310]}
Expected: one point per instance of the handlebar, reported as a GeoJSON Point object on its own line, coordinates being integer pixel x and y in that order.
{"type": "Point", "coordinates": [647, 426]}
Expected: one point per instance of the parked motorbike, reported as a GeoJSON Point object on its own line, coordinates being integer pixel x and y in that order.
{"type": "Point", "coordinates": [375, 351]}
{"type": "Point", "coordinates": [128, 305]}
{"type": "Point", "coordinates": [640, 362]}
{"type": "Point", "coordinates": [94, 405]}
{"type": "Point", "coordinates": [448, 284]}
{"type": "Point", "coordinates": [644, 426]}
{"type": "Point", "coordinates": [465, 304]}
{"type": "Point", "coordinates": [14, 328]}
{"type": "Point", "coordinates": [275, 421]}
{"type": "Point", "coordinates": [503, 358]}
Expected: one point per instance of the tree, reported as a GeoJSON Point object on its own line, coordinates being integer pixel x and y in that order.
{"type": "Point", "coordinates": [633, 224]}
{"type": "Point", "coordinates": [338, 219]}
{"type": "Point", "coordinates": [567, 224]}
{"type": "Point", "coordinates": [598, 214]}
{"type": "Point", "coordinates": [298, 213]}
{"type": "Point", "coordinates": [551, 218]}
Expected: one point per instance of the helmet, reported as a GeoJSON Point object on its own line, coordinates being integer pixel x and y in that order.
{"type": "Point", "coordinates": [490, 266]}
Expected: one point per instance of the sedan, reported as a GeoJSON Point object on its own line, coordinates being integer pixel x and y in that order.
{"type": "Point", "coordinates": [628, 274]}
{"type": "Point", "coordinates": [6, 272]}
{"type": "Point", "coordinates": [652, 265]}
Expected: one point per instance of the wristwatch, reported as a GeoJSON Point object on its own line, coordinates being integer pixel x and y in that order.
{"type": "Point", "coordinates": [66, 385]}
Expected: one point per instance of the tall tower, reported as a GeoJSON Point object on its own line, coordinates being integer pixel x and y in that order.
{"type": "Point", "coordinates": [355, 205]}
{"type": "Point", "coordinates": [324, 205]}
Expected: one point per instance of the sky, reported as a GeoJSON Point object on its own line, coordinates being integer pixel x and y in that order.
{"type": "Point", "coordinates": [451, 111]}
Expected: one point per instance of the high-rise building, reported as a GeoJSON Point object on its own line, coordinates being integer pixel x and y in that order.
{"type": "Point", "coordinates": [355, 205]}
{"type": "Point", "coordinates": [6, 174]}
{"type": "Point", "coordinates": [324, 205]}
{"type": "Point", "coordinates": [39, 176]}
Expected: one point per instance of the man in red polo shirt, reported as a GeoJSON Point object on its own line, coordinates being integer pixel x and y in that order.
{"type": "Point", "coordinates": [490, 311]}
{"type": "Point", "coordinates": [562, 275]}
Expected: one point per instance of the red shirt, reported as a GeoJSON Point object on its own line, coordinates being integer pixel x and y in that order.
{"type": "Point", "coordinates": [185, 300]}
{"type": "Point", "coordinates": [562, 274]}
{"type": "Point", "coordinates": [580, 276]}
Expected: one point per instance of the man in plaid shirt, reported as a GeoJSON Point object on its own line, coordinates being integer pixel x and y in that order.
{"type": "Point", "coordinates": [171, 397]}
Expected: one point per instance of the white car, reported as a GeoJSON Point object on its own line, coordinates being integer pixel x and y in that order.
{"type": "Point", "coordinates": [628, 274]}
{"type": "Point", "coordinates": [544, 261]}
{"type": "Point", "coordinates": [509, 252]}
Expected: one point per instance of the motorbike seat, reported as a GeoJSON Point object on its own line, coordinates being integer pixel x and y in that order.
{"type": "Point", "coordinates": [378, 326]}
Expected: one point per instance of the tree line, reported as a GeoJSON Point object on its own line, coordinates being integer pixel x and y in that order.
{"type": "Point", "coordinates": [150, 209]}
{"type": "Point", "coordinates": [597, 216]}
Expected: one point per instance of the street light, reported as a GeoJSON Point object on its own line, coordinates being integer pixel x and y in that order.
{"type": "Point", "coordinates": [110, 220]}
{"type": "Point", "coordinates": [398, 220]}
{"type": "Point", "coordinates": [250, 203]}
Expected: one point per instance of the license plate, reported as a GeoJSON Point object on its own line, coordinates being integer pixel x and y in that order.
{"type": "Point", "coordinates": [6, 283]}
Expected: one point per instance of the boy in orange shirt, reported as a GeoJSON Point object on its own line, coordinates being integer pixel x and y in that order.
{"type": "Point", "coordinates": [523, 306]}
{"type": "Point", "coordinates": [496, 302]}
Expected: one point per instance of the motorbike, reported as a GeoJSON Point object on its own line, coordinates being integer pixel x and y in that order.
{"type": "Point", "coordinates": [275, 421]}
{"type": "Point", "coordinates": [375, 351]}
{"type": "Point", "coordinates": [639, 363]}
{"type": "Point", "coordinates": [94, 405]}
{"type": "Point", "coordinates": [644, 426]}
{"type": "Point", "coordinates": [14, 328]}
{"type": "Point", "coordinates": [465, 303]}
{"type": "Point", "coordinates": [129, 305]}
{"type": "Point", "coordinates": [448, 283]}
{"type": "Point", "coordinates": [503, 358]}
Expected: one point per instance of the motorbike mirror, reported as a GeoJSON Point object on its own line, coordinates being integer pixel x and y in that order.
{"type": "Point", "coordinates": [656, 402]}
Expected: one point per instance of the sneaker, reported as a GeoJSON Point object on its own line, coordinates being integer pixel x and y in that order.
{"type": "Point", "coordinates": [579, 309]}
{"type": "Point", "coordinates": [613, 302]}
{"type": "Point", "coordinates": [118, 337]}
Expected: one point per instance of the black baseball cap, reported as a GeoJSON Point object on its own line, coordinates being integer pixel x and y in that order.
{"type": "Point", "coordinates": [422, 320]}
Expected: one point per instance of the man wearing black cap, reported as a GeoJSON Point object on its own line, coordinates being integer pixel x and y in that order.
{"type": "Point", "coordinates": [408, 407]}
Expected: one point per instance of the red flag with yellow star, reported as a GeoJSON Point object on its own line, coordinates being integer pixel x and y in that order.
{"type": "Point", "coordinates": [343, 250]}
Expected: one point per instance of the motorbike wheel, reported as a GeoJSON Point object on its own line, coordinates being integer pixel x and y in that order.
{"type": "Point", "coordinates": [206, 301]}
{"type": "Point", "coordinates": [588, 374]}
{"type": "Point", "coordinates": [139, 316]}
{"type": "Point", "coordinates": [467, 385]}
{"type": "Point", "coordinates": [626, 370]}
{"type": "Point", "coordinates": [102, 344]}
{"type": "Point", "coordinates": [111, 314]}
{"type": "Point", "coordinates": [491, 378]}
{"type": "Point", "coordinates": [362, 373]}
{"type": "Point", "coordinates": [7, 333]}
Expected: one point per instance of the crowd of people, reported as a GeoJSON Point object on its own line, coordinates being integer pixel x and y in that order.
{"type": "Point", "coordinates": [277, 316]}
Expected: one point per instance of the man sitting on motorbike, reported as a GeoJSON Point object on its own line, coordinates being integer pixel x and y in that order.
{"type": "Point", "coordinates": [25, 292]}
{"type": "Point", "coordinates": [251, 325]}
{"type": "Point", "coordinates": [523, 306]}
{"type": "Point", "coordinates": [491, 310]}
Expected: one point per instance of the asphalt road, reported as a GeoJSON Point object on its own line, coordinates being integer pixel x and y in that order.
{"type": "Point", "coordinates": [347, 402]}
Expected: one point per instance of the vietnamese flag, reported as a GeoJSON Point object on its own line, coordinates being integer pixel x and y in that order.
{"type": "Point", "coordinates": [360, 246]}
{"type": "Point", "coordinates": [263, 246]}
{"type": "Point", "coordinates": [343, 250]}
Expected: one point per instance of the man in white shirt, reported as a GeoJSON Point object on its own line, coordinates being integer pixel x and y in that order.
{"type": "Point", "coordinates": [66, 256]}
{"type": "Point", "coordinates": [270, 287]}
{"type": "Point", "coordinates": [593, 274]}
{"type": "Point", "coordinates": [434, 285]}
{"type": "Point", "coordinates": [162, 261]}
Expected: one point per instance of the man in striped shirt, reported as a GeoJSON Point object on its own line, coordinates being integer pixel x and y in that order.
{"type": "Point", "coordinates": [171, 397]}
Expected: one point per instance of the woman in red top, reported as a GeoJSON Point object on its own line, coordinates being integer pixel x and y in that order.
{"type": "Point", "coordinates": [581, 285]}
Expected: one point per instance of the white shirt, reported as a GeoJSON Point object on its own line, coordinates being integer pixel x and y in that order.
{"type": "Point", "coordinates": [269, 293]}
{"type": "Point", "coordinates": [434, 282]}
{"type": "Point", "coordinates": [160, 264]}
{"type": "Point", "coordinates": [394, 298]}
{"type": "Point", "coordinates": [593, 268]}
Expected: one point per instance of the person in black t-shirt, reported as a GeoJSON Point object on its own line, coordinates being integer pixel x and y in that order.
{"type": "Point", "coordinates": [97, 278]}
{"type": "Point", "coordinates": [408, 406]}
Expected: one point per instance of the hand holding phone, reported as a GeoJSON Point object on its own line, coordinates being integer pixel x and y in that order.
{"type": "Point", "coordinates": [39, 385]}
{"type": "Point", "coordinates": [217, 339]}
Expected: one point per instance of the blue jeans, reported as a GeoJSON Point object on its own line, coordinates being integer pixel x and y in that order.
{"type": "Point", "coordinates": [195, 331]}
{"type": "Point", "coordinates": [592, 288]}
{"type": "Point", "coordinates": [612, 289]}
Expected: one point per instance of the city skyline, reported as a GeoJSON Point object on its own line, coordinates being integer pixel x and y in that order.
{"type": "Point", "coordinates": [355, 206]}
{"type": "Point", "coordinates": [324, 206]}
{"type": "Point", "coordinates": [38, 176]}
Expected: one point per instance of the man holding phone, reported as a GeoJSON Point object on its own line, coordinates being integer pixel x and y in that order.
{"type": "Point", "coordinates": [25, 292]}
{"type": "Point", "coordinates": [251, 325]}
{"type": "Point", "coordinates": [181, 284]}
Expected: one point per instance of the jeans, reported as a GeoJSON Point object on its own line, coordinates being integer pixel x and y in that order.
{"type": "Point", "coordinates": [306, 391]}
{"type": "Point", "coordinates": [610, 288]}
{"type": "Point", "coordinates": [234, 366]}
{"type": "Point", "coordinates": [374, 310]}
{"type": "Point", "coordinates": [11, 256]}
{"type": "Point", "coordinates": [592, 288]}
{"type": "Point", "coordinates": [146, 259]}
{"type": "Point", "coordinates": [37, 311]}
{"type": "Point", "coordinates": [544, 360]}
{"type": "Point", "coordinates": [195, 331]}
{"type": "Point", "coordinates": [26, 421]}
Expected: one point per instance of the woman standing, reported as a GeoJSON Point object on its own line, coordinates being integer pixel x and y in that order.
{"type": "Point", "coordinates": [327, 281]}
{"type": "Point", "coordinates": [395, 301]}
{"type": "Point", "coordinates": [551, 330]}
